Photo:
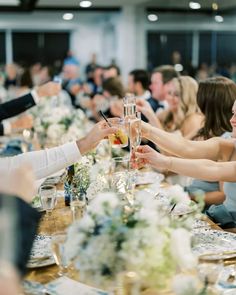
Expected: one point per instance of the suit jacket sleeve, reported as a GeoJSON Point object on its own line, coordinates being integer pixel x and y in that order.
{"type": "Point", "coordinates": [16, 106]}
{"type": "Point", "coordinates": [1, 129]}
{"type": "Point", "coordinates": [25, 228]}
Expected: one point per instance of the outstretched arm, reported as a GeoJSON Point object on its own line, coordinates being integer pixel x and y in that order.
{"type": "Point", "coordinates": [213, 149]}
{"type": "Point", "coordinates": [201, 169]}
{"type": "Point", "coordinates": [49, 161]}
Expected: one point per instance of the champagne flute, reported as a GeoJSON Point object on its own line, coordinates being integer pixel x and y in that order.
{"type": "Point", "coordinates": [58, 250]}
{"type": "Point", "coordinates": [135, 137]}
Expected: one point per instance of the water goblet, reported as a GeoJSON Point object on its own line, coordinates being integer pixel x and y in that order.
{"type": "Point", "coordinates": [209, 268]}
{"type": "Point", "coordinates": [48, 197]}
{"type": "Point", "coordinates": [122, 178]}
{"type": "Point", "coordinates": [58, 250]}
{"type": "Point", "coordinates": [77, 205]}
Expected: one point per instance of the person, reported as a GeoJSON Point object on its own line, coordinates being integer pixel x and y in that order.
{"type": "Point", "coordinates": [111, 71]}
{"type": "Point", "coordinates": [138, 84]}
{"type": "Point", "coordinates": [49, 161]}
{"type": "Point", "coordinates": [199, 162]}
{"type": "Point", "coordinates": [110, 102]}
{"type": "Point", "coordinates": [71, 81]}
{"type": "Point", "coordinates": [183, 113]}
{"type": "Point", "coordinates": [23, 103]}
{"type": "Point", "coordinates": [215, 99]}
{"type": "Point", "coordinates": [90, 67]}
{"type": "Point", "coordinates": [159, 80]}
{"type": "Point", "coordinates": [16, 192]}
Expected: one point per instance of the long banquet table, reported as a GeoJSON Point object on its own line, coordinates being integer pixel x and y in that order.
{"type": "Point", "coordinates": [59, 220]}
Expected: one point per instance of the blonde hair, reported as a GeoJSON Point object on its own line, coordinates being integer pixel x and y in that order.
{"type": "Point", "coordinates": [187, 104]}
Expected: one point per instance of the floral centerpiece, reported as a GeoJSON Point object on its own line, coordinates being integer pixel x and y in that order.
{"type": "Point", "coordinates": [60, 124]}
{"type": "Point", "coordinates": [112, 238]}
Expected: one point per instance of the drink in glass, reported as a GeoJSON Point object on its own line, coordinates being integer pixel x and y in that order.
{"type": "Point", "coordinates": [120, 138]}
{"type": "Point", "coordinates": [48, 197]}
{"type": "Point", "coordinates": [58, 250]}
{"type": "Point", "coordinates": [78, 206]}
{"type": "Point", "coordinates": [129, 106]}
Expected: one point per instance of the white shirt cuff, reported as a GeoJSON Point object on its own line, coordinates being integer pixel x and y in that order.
{"type": "Point", "coordinates": [35, 96]}
{"type": "Point", "coordinates": [6, 127]}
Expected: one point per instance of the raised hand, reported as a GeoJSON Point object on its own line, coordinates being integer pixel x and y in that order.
{"type": "Point", "coordinates": [146, 155]}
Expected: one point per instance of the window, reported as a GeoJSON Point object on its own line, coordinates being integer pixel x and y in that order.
{"type": "Point", "coordinates": [44, 47]}
{"type": "Point", "coordinates": [161, 46]}
{"type": "Point", "coordinates": [2, 48]}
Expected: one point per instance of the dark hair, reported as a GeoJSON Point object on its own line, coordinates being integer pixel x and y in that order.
{"type": "Point", "coordinates": [113, 67]}
{"type": "Point", "coordinates": [25, 79]}
{"type": "Point", "coordinates": [141, 76]}
{"type": "Point", "coordinates": [168, 73]}
{"type": "Point", "coordinates": [215, 99]}
{"type": "Point", "coordinates": [114, 87]}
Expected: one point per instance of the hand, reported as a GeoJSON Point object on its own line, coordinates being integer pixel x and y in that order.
{"type": "Point", "coordinates": [116, 108]}
{"type": "Point", "coordinates": [23, 122]}
{"type": "Point", "coordinates": [75, 89]}
{"type": "Point", "coordinates": [100, 131]}
{"type": "Point", "coordinates": [48, 89]}
{"type": "Point", "coordinates": [19, 183]}
{"type": "Point", "coordinates": [145, 108]}
{"type": "Point", "coordinates": [145, 130]}
{"type": "Point", "coordinates": [146, 155]}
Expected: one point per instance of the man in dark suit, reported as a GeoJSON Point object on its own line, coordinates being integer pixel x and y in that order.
{"type": "Point", "coordinates": [23, 103]}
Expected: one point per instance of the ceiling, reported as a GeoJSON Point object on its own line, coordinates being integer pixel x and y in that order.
{"type": "Point", "coordinates": [159, 5]}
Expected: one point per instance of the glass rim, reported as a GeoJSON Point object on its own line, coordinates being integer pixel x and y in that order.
{"type": "Point", "coordinates": [121, 159]}
{"type": "Point", "coordinates": [47, 186]}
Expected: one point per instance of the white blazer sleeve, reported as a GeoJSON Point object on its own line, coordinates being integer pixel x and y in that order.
{"type": "Point", "coordinates": [44, 162]}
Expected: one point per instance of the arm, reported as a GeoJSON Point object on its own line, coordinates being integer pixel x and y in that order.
{"type": "Point", "coordinates": [191, 125]}
{"type": "Point", "coordinates": [214, 148]}
{"type": "Point", "coordinates": [23, 103]}
{"type": "Point", "coordinates": [202, 169]}
{"type": "Point", "coordinates": [16, 106]}
{"type": "Point", "coordinates": [214, 198]}
{"type": "Point", "coordinates": [49, 161]}
{"type": "Point", "coordinates": [145, 108]}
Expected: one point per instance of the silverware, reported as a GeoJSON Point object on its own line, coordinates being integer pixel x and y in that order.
{"type": "Point", "coordinates": [36, 259]}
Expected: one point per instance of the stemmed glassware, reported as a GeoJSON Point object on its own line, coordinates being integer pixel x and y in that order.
{"type": "Point", "coordinates": [77, 205]}
{"type": "Point", "coordinates": [48, 197]}
{"type": "Point", "coordinates": [58, 250]}
{"type": "Point", "coordinates": [209, 269]}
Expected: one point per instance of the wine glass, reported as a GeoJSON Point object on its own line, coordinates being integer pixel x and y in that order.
{"type": "Point", "coordinates": [209, 268]}
{"type": "Point", "coordinates": [48, 197]}
{"type": "Point", "coordinates": [122, 177]}
{"type": "Point", "coordinates": [58, 250]}
{"type": "Point", "coordinates": [120, 138]}
{"type": "Point", "coordinates": [77, 205]}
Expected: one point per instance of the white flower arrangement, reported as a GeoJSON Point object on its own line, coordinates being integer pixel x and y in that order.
{"type": "Point", "coordinates": [110, 240]}
{"type": "Point", "coordinates": [61, 123]}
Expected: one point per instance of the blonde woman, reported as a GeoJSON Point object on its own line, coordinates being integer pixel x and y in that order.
{"type": "Point", "coordinates": [183, 113]}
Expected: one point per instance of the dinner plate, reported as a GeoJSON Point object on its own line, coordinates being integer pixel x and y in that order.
{"type": "Point", "coordinates": [33, 288]}
{"type": "Point", "coordinates": [148, 177]}
{"type": "Point", "coordinates": [212, 241]}
{"type": "Point", "coordinates": [41, 254]}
